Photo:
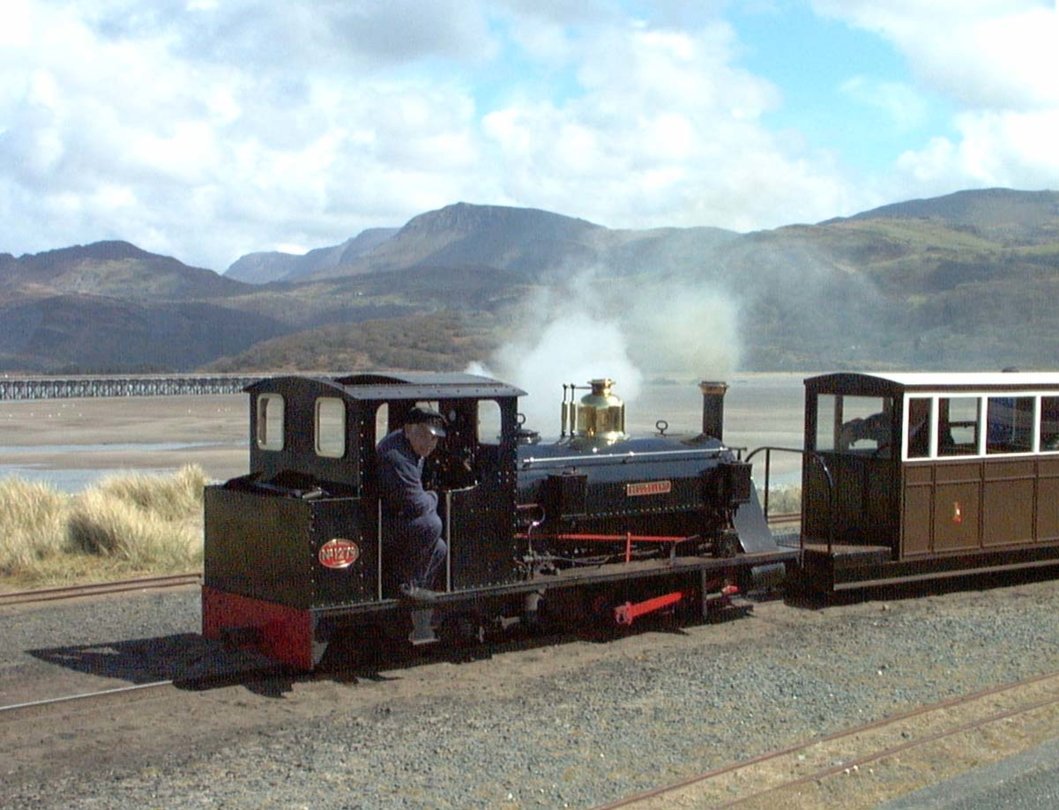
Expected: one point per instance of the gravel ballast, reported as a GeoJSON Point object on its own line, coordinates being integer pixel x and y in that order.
{"type": "Point", "coordinates": [573, 724]}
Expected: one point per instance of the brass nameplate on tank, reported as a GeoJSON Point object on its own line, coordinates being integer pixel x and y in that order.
{"type": "Point", "coordinates": [648, 488]}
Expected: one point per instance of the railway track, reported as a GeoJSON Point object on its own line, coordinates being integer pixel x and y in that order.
{"type": "Point", "coordinates": [809, 774]}
{"type": "Point", "coordinates": [82, 699]}
{"type": "Point", "coordinates": [104, 697]}
{"type": "Point", "coordinates": [99, 589]}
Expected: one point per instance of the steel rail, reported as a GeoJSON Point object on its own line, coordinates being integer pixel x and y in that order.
{"type": "Point", "coordinates": [117, 690]}
{"type": "Point", "coordinates": [857, 762]}
{"type": "Point", "coordinates": [99, 589]}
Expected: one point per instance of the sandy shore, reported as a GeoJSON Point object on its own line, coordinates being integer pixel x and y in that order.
{"type": "Point", "coordinates": [135, 433]}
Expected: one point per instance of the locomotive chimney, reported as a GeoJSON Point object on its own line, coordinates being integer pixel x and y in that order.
{"type": "Point", "coordinates": [713, 408]}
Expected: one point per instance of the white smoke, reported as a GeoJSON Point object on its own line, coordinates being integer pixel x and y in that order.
{"type": "Point", "coordinates": [595, 326]}
{"type": "Point", "coordinates": [682, 329]}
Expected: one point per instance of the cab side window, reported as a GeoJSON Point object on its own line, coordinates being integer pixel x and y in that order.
{"type": "Point", "coordinates": [489, 427]}
{"type": "Point", "coordinates": [269, 419]}
{"type": "Point", "coordinates": [329, 428]}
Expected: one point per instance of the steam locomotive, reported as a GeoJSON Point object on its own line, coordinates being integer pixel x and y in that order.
{"type": "Point", "coordinates": [597, 525]}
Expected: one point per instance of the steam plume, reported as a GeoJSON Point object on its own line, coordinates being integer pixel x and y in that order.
{"type": "Point", "coordinates": [598, 326]}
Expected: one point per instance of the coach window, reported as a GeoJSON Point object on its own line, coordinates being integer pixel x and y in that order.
{"type": "Point", "coordinates": [958, 426]}
{"type": "Point", "coordinates": [866, 425]}
{"type": "Point", "coordinates": [1049, 423]}
{"type": "Point", "coordinates": [270, 422]}
{"type": "Point", "coordinates": [330, 427]}
{"type": "Point", "coordinates": [1009, 424]}
{"type": "Point", "coordinates": [828, 414]}
{"type": "Point", "coordinates": [919, 427]}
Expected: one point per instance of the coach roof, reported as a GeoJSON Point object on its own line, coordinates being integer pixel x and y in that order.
{"type": "Point", "coordinates": [891, 381]}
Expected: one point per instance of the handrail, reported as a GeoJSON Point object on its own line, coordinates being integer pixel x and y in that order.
{"type": "Point", "coordinates": [819, 459]}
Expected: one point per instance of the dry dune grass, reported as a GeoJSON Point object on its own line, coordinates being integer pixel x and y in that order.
{"type": "Point", "coordinates": [126, 525]}
{"type": "Point", "coordinates": [785, 500]}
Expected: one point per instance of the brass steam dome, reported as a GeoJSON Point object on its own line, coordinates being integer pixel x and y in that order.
{"type": "Point", "coordinates": [600, 413]}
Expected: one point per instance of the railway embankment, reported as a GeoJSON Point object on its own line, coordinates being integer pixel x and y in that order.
{"type": "Point", "coordinates": [577, 723]}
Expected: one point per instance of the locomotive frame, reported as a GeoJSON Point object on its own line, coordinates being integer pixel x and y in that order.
{"type": "Point", "coordinates": [296, 552]}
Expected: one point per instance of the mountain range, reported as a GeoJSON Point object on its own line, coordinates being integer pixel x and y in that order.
{"type": "Point", "coordinates": [956, 282]}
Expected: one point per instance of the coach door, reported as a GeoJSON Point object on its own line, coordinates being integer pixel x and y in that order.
{"type": "Point", "coordinates": [855, 437]}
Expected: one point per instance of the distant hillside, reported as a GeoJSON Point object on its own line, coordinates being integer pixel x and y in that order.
{"type": "Point", "coordinates": [97, 334]}
{"type": "Point", "coordinates": [115, 269]}
{"type": "Point", "coordinates": [443, 341]}
{"type": "Point", "coordinates": [260, 268]}
{"type": "Point", "coordinates": [999, 214]}
{"type": "Point", "coordinates": [961, 281]}
{"type": "Point", "coordinates": [526, 240]}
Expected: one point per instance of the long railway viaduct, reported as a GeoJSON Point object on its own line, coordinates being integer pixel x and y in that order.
{"type": "Point", "coordinates": [154, 385]}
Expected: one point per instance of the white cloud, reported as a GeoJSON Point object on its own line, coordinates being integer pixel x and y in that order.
{"type": "Point", "coordinates": [208, 130]}
{"type": "Point", "coordinates": [1015, 150]}
{"type": "Point", "coordinates": [986, 53]}
{"type": "Point", "coordinates": [902, 104]}
{"type": "Point", "coordinates": [996, 61]}
{"type": "Point", "coordinates": [665, 131]}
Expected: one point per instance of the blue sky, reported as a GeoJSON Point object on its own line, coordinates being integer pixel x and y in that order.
{"type": "Point", "coordinates": [831, 76]}
{"type": "Point", "coordinates": [207, 129]}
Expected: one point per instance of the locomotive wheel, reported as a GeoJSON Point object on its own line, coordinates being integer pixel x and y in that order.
{"type": "Point", "coordinates": [463, 630]}
{"type": "Point", "coordinates": [355, 649]}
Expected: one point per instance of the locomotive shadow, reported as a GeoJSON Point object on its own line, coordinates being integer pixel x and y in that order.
{"type": "Point", "coordinates": [187, 659]}
{"type": "Point", "coordinates": [195, 663]}
{"type": "Point", "coordinates": [386, 660]}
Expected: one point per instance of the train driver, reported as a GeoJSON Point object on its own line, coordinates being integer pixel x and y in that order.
{"type": "Point", "coordinates": [411, 512]}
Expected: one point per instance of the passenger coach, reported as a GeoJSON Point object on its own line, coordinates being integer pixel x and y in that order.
{"type": "Point", "coordinates": [919, 476]}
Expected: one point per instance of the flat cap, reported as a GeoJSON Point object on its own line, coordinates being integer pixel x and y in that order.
{"type": "Point", "coordinates": [422, 415]}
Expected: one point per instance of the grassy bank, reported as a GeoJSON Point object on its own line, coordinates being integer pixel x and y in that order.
{"type": "Point", "coordinates": [126, 525]}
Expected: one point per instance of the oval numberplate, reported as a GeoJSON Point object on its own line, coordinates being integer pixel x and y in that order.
{"type": "Point", "coordinates": [338, 552]}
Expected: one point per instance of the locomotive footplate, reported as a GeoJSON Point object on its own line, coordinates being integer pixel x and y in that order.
{"type": "Point", "coordinates": [636, 571]}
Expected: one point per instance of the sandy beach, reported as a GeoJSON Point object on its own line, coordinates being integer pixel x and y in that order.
{"type": "Point", "coordinates": [154, 434]}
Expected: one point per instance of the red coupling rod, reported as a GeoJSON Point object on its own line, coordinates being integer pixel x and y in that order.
{"type": "Point", "coordinates": [628, 613]}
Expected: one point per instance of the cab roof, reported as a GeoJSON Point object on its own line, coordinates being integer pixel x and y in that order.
{"type": "Point", "coordinates": [417, 385]}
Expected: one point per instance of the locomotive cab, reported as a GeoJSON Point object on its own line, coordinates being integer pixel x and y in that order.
{"type": "Point", "coordinates": [301, 540]}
